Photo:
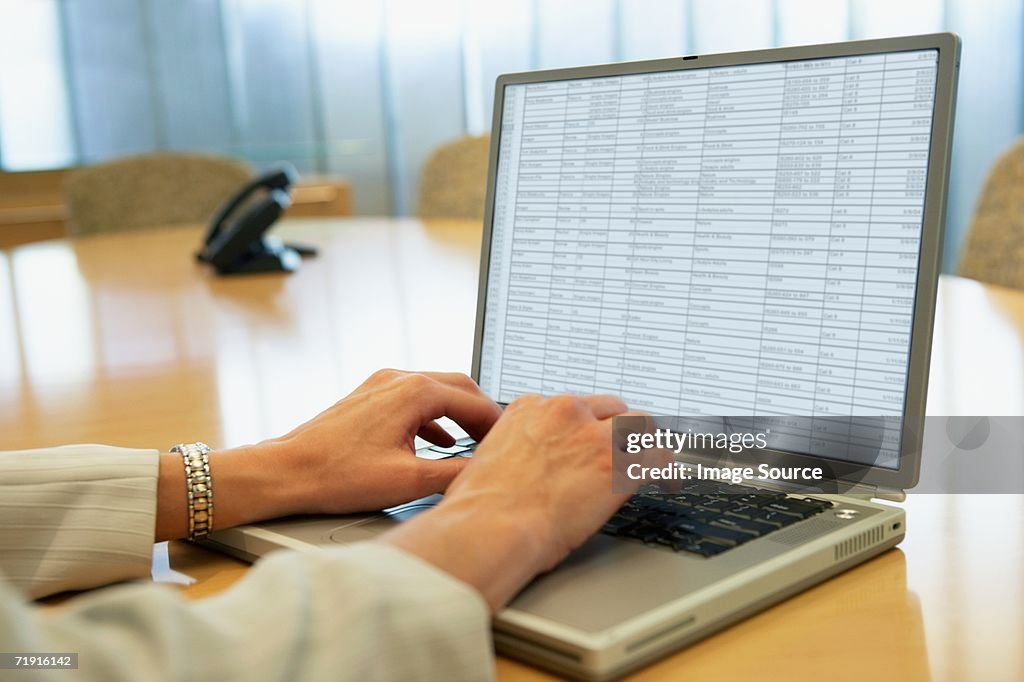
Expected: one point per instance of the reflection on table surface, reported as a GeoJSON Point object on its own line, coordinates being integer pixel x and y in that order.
{"type": "Point", "coordinates": [107, 338]}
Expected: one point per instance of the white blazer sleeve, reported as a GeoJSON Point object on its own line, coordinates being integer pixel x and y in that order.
{"type": "Point", "coordinates": [364, 612]}
{"type": "Point", "coordinates": [76, 517]}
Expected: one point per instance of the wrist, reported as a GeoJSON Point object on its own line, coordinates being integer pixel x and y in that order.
{"type": "Point", "coordinates": [522, 532]}
{"type": "Point", "coordinates": [250, 483]}
{"type": "Point", "coordinates": [257, 482]}
{"type": "Point", "coordinates": [478, 540]}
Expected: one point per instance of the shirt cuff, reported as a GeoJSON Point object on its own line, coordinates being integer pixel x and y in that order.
{"type": "Point", "coordinates": [78, 516]}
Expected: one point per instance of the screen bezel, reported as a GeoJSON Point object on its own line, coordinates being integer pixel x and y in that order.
{"type": "Point", "coordinates": [932, 231]}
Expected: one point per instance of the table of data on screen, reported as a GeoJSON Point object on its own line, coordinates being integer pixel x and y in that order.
{"type": "Point", "coordinates": [736, 240]}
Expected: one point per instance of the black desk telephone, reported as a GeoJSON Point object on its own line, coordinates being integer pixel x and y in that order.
{"type": "Point", "coordinates": [235, 242]}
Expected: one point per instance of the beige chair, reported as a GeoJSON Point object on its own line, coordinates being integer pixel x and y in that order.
{"type": "Point", "coordinates": [454, 180]}
{"type": "Point", "coordinates": [150, 190]}
{"type": "Point", "coordinates": [994, 251]}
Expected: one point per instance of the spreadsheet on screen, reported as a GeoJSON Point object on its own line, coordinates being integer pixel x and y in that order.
{"type": "Point", "coordinates": [727, 240]}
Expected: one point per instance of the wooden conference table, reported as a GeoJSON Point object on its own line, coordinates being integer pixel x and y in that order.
{"type": "Point", "coordinates": [123, 339]}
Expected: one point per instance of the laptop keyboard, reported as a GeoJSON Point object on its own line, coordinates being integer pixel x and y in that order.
{"type": "Point", "coordinates": [704, 517]}
{"type": "Point", "coordinates": [708, 518]}
{"type": "Point", "coordinates": [463, 447]}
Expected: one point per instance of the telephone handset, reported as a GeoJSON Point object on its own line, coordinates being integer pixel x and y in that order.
{"type": "Point", "coordinates": [235, 241]}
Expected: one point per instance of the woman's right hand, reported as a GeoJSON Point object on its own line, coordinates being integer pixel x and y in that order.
{"type": "Point", "coordinates": [537, 487]}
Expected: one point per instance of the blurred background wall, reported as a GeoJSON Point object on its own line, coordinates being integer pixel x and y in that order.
{"type": "Point", "coordinates": [366, 88]}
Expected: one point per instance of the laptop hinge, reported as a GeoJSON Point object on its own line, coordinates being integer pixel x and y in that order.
{"type": "Point", "coordinates": [863, 491]}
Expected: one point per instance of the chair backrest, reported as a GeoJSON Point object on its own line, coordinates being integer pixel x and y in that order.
{"type": "Point", "coordinates": [994, 251]}
{"type": "Point", "coordinates": [150, 190]}
{"type": "Point", "coordinates": [454, 180]}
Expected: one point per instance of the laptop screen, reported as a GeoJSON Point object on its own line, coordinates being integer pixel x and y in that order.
{"type": "Point", "coordinates": [739, 240]}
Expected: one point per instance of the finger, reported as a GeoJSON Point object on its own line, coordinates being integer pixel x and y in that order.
{"type": "Point", "coordinates": [434, 476]}
{"type": "Point", "coordinates": [638, 417]}
{"type": "Point", "coordinates": [435, 433]}
{"type": "Point", "coordinates": [474, 412]}
{"type": "Point", "coordinates": [649, 458]}
{"type": "Point", "coordinates": [456, 380]}
{"type": "Point", "coordinates": [632, 422]}
{"type": "Point", "coordinates": [624, 424]}
{"type": "Point", "coordinates": [525, 401]}
{"type": "Point", "coordinates": [604, 406]}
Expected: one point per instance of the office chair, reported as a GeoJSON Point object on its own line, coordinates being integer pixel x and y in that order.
{"type": "Point", "coordinates": [454, 180]}
{"type": "Point", "coordinates": [994, 251]}
{"type": "Point", "coordinates": [150, 190]}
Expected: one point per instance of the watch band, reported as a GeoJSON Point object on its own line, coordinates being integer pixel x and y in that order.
{"type": "Point", "coordinates": [198, 487]}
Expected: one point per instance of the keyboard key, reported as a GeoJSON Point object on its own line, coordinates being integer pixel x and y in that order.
{"type": "Point", "coordinates": [708, 549]}
{"type": "Point", "coordinates": [755, 528]}
{"type": "Point", "coordinates": [760, 498]}
{"type": "Point", "coordinates": [795, 507]}
{"type": "Point", "coordinates": [702, 515]}
{"type": "Point", "coordinates": [616, 525]}
{"type": "Point", "coordinates": [776, 518]}
{"type": "Point", "coordinates": [744, 511]}
{"type": "Point", "coordinates": [673, 507]}
{"type": "Point", "coordinates": [701, 487]}
{"type": "Point", "coordinates": [665, 506]}
{"type": "Point", "coordinates": [710, 532]}
{"type": "Point", "coordinates": [666, 538]}
{"type": "Point", "coordinates": [686, 500]}
{"type": "Point", "coordinates": [456, 449]}
{"type": "Point", "coordinates": [716, 505]}
{"type": "Point", "coordinates": [696, 545]}
{"type": "Point", "coordinates": [630, 513]}
{"type": "Point", "coordinates": [662, 519]}
{"type": "Point", "coordinates": [430, 453]}
{"type": "Point", "coordinates": [687, 544]}
{"type": "Point", "coordinates": [642, 531]}
{"type": "Point", "coordinates": [733, 489]}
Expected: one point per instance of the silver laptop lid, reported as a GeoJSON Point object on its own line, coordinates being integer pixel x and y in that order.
{"type": "Point", "coordinates": [734, 234]}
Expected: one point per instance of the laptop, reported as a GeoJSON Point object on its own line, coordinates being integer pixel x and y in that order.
{"type": "Point", "coordinates": [726, 236]}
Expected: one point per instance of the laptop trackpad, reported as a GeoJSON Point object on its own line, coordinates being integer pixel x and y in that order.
{"type": "Point", "coordinates": [367, 528]}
